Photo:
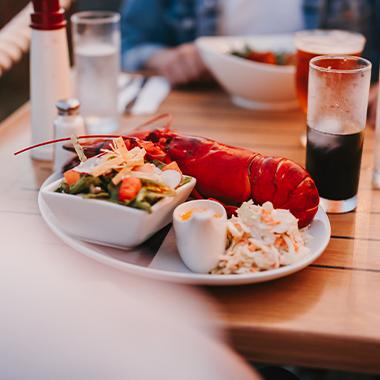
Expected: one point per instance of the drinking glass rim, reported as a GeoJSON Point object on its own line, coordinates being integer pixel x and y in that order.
{"type": "Point", "coordinates": [368, 64]}
{"type": "Point", "coordinates": [308, 32]}
{"type": "Point", "coordinates": [95, 17]}
{"type": "Point", "coordinates": [300, 38]}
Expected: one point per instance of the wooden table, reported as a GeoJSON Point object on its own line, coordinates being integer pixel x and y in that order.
{"type": "Point", "coordinates": [326, 316]}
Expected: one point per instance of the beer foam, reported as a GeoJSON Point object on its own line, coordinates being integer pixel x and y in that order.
{"type": "Point", "coordinates": [332, 42]}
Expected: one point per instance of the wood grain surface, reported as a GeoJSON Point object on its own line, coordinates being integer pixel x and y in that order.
{"type": "Point", "coordinates": [326, 316]}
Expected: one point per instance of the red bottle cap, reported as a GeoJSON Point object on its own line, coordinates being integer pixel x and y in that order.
{"type": "Point", "coordinates": [47, 15]}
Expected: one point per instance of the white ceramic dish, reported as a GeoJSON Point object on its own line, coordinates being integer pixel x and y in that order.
{"type": "Point", "coordinates": [201, 237]}
{"type": "Point", "coordinates": [251, 84]}
{"type": "Point", "coordinates": [165, 264]}
{"type": "Point", "coordinates": [108, 223]}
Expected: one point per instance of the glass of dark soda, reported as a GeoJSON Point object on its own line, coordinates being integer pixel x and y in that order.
{"type": "Point", "coordinates": [337, 109]}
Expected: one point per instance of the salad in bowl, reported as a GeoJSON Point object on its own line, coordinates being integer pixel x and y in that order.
{"type": "Point", "coordinates": [124, 177]}
{"type": "Point", "coordinates": [117, 198]}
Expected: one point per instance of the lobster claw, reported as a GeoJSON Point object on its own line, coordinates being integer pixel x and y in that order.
{"type": "Point", "coordinates": [95, 147]}
{"type": "Point", "coordinates": [91, 148]}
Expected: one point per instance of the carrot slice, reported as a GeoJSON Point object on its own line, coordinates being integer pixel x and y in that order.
{"type": "Point", "coordinates": [71, 177]}
{"type": "Point", "coordinates": [129, 188]}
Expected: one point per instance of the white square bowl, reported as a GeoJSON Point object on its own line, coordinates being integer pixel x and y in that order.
{"type": "Point", "coordinates": [108, 223]}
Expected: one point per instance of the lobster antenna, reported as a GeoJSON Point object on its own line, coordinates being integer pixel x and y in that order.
{"type": "Point", "coordinates": [66, 139]}
{"type": "Point", "coordinates": [151, 120]}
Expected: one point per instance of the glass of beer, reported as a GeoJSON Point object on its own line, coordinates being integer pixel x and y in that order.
{"type": "Point", "coordinates": [336, 117]}
{"type": "Point", "coordinates": [312, 43]}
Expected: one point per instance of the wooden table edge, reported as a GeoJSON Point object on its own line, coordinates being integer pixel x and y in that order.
{"type": "Point", "coordinates": [277, 346]}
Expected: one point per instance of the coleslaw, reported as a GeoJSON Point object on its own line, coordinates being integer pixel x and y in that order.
{"type": "Point", "coordinates": [261, 238]}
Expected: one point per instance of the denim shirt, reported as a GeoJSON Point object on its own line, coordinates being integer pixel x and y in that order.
{"type": "Point", "coordinates": [150, 25]}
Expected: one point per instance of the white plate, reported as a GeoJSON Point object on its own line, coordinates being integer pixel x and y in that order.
{"type": "Point", "coordinates": [161, 261]}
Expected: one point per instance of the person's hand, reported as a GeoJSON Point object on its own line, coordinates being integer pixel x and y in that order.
{"type": "Point", "coordinates": [180, 65]}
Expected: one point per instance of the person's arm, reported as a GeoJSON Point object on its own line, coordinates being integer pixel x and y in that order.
{"type": "Point", "coordinates": [144, 31]}
{"type": "Point", "coordinates": [149, 42]}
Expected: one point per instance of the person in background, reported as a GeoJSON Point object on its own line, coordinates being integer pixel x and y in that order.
{"type": "Point", "coordinates": [159, 35]}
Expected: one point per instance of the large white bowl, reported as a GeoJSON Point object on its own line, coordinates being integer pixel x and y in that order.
{"type": "Point", "coordinates": [251, 84]}
{"type": "Point", "coordinates": [108, 223]}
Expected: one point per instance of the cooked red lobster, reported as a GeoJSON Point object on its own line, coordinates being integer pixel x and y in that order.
{"type": "Point", "coordinates": [230, 174]}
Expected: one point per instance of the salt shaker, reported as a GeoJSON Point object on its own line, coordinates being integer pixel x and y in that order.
{"type": "Point", "coordinates": [376, 163]}
{"type": "Point", "coordinates": [69, 122]}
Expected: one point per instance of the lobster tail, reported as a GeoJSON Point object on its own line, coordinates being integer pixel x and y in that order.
{"type": "Point", "coordinates": [286, 184]}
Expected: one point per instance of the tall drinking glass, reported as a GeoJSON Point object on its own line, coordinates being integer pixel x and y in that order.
{"type": "Point", "coordinates": [312, 43]}
{"type": "Point", "coordinates": [96, 39]}
{"type": "Point", "coordinates": [337, 109]}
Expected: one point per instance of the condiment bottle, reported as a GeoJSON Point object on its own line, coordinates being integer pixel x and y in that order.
{"type": "Point", "coordinates": [49, 71]}
{"type": "Point", "coordinates": [69, 122]}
